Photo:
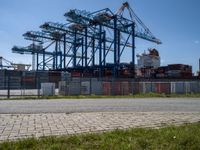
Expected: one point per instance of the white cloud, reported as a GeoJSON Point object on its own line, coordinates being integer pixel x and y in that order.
{"type": "Point", "coordinates": [197, 42]}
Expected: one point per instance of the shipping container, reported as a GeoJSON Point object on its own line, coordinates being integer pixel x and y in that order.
{"type": "Point", "coordinates": [74, 88]}
{"type": "Point", "coordinates": [54, 77]}
{"type": "Point", "coordinates": [180, 88]}
{"type": "Point", "coordinates": [163, 88]}
{"type": "Point", "coordinates": [48, 89]}
{"type": "Point", "coordinates": [96, 87]}
{"type": "Point", "coordinates": [125, 89]}
{"type": "Point", "coordinates": [135, 86]}
{"type": "Point", "coordinates": [116, 88]}
{"type": "Point", "coordinates": [195, 87]}
{"type": "Point", "coordinates": [76, 74]}
{"type": "Point", "coordinates": [107, 88]}
{"type": "Point", "coordinates": [85, 88]}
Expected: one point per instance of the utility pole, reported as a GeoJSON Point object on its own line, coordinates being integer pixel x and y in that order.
{"type": "Point", "coordinates": [199, 64]}
{"type": "Point", "coordinates": [1, 62]}
{"type": "Point", "coordinates": [8, 83]}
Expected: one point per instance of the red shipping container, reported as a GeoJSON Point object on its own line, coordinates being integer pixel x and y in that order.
{"type": "Point", "coordinates": [163, 88]}
{"type": "Point", "coordinates": [28, 79]}
{"type": "Point", "coordinates": [116, 88]}
{"type": "Point", "coordinates": [106, 88]}
{"type": "Point", "coordinates": [75, 74]}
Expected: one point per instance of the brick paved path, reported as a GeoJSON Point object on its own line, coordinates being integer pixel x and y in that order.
{"type": "Point", "coordinates": [18, 126]}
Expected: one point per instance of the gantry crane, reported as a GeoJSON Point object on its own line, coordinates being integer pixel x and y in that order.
{"type": "Point", "coordinates": [37, 49]}
{"type": "Point", "coordinates": [6, 64]}
{"type": "Point", "coordinates": [89, 39]}
{"type": "Point", "coordinates": [141, 31]}
{"type": "Point", "coordinates": [105, 19]}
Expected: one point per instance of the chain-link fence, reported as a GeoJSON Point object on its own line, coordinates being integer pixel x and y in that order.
{"type": "Point", "coordinates": [28, 83]}
{"type": "Point", "coordinates": [94, 86]}
{"type": "Point", "coordinates": [46, 83]}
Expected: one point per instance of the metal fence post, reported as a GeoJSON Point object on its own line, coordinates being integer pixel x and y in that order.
{"type": "Point", "coordinates": [8, 83]}
{"type": "Point", "coordinates": [132, 86]}
{"type": "Point", "coordinates": [80, 86]}
{"type": "Point", "coordinates": [90, 86]}
{"type": "Point", "coordinates": [38, 84]}
{"type": "Point", "coordinates": [21, 83]}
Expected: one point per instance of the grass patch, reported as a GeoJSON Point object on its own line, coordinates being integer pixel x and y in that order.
{"type": "Point", "coordinates": [146, 95]}
{"type": "Point", "coordinates": [185, 137]}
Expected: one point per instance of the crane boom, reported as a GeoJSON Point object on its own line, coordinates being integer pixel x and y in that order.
{"type": "Point", "coordinates": [105, 17]}
{"type": "Point", "coordinates": [145, 33]}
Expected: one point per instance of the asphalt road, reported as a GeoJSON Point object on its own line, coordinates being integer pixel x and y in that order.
{"type": "Point", "coordinates": [100, 105]}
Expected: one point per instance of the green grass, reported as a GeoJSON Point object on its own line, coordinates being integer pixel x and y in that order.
{"type": "Point", "coordinates": [147, 95]}
{"type": "Point", "coordinates": [185, 137]}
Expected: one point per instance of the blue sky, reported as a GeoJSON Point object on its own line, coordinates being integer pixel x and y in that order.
{"type": "Point", "coordinates": [175, 22]}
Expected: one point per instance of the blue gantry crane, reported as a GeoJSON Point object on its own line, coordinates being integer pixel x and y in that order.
{"type": "Point", "coordinates": [84, 43]}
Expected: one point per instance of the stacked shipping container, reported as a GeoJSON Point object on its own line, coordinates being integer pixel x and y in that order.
{"type": "Point", "coordinates": [27, 79]}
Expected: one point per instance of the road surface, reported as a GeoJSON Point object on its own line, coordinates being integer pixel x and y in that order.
{"type": "Point", "coordinates": [100, 105]}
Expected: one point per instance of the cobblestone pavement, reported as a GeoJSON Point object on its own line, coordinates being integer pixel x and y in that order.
{"type": "Point", "coordinates": [17, 126]}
